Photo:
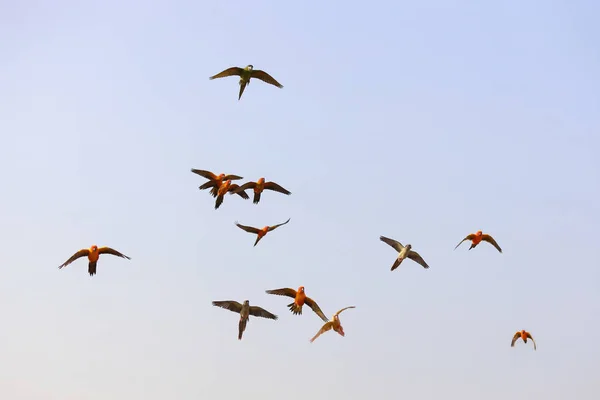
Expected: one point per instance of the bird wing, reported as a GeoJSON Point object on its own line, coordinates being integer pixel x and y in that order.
{"type": "Point", "coordinates": [263, 76]}
{"type": "Point", "coordinates": [250, 229]}
{"type": "Point", "coordinates": [283, 292]}
{"type": "Point", "coordinates": [229, 305]}
{"type": "Point", "coordinates": [275, 187]}
{"type": "Point", "coordinates": [326, 327]}
{"type": "Point", "coordinates": [394, 243]}
{"type": "Point", "coordinates": [531, 337]}
{"type": "Point", "coordinates": [108, 250]}
{"type": "Point", "coordinates": [233, 190]}
{"type": "Point", "coordinates": [245, 186]}
{"type": "Point", "coordinates": [491, 240]}
{"type": "Point", "coordinates": [80, 253]}
{"type": "Point", "coordinates": [208, 184]}
{"type": "Point", "coordinates": [271, 228]}
{"type": "Point", "coordinates": [232, 177]}
{"type": "Point", "coordinates": [228, 72]}
{"type": "Point", "coordinates": [345, 308]}
{"type": "Point", "coordinates": [261, 312]}
{"type": "Point", "coordinates": [469, 237]}
{"type": "Point", "coordinates": [315, 307]}
{"type": "Point", "coordinates": [514, 339]}
{"type": "Point", "coordinates": [204, 173]}
{"type": "Point", "coordinates": [413, 255]}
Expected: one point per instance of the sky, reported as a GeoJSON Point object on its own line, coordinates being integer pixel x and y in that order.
{"type": "Point", "coordinates": [420, 121]}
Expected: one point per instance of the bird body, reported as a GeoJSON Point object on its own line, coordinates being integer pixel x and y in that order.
{"type": "Point", "coordinates": [523, 334]}
{"type": "Point", "coordinates": [246, 74]}
{"type": "Point", "coordinates": [227, 187]}
{"type": "Point", "coordinates": [334, 323]}
{"type": "Point", "coordinates": [92, 254]}
{"type": "Point", "coordinates": [477, 237]}
{"type": "Point", "coordinates": [245, 310]}
{"type": "Point", "coordinates": [403, 253]}
{"type": "Point", "coordinates": [300, 299]}
{"type": "Point", "coordinates": [259, 186]}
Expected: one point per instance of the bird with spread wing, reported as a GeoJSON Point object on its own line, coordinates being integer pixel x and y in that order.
{"type": "Point", "coordinates": [227, 187]}
{"type": "Point", "coordinates": [246, 74]}
{"type": "Point", "coordinates": [259, 186]}
{"type": "Point", "coordinates": [523, 334]}
{"type": "Point", "coordinates": [403, 253]}
{"type": "Point", "coordinates": [334, 323]}
{"type": "Point", "coordinates": [477, 237]}
{"type": "Point", "coordinates": [93, 254]}
{"type": "Point", "coordinates": [300, 298]}
{"type": "Point", "coordinates": [260, 232]}
{"type": "Point", "coordinates": [245, 310]}
{"type": "Point", "coordinates": [214, 181]}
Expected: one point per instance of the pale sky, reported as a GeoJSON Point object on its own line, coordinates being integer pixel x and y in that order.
{"type": "Point", "coordinates": [422, 121]}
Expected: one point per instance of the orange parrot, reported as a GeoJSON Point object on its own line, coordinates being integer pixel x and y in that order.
{"type": "Point", "coordinates": [523, 335]}
{"type": "Point", "coordinates": [260, 232]}
{"type": "Point", "coordinates": [261, 185]}
{"type": "Point", "coordinates": [93, 253]}
{"type": "Point", "coordinates": [476, 238]}
{"type": "Point", "coordinates": [226, 187]}
{"type": "Point", "coordinates": [214, 181]}
{"type": "Point", "coordinates": [334, 323]}
{"type": "Point", "coordinates": [300, 299]}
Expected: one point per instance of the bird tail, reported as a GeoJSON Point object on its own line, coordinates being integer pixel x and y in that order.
{"type": "Point", "coordinates": [473, 245]}
{"type": "Point", "coordinates": [258, 237]}
{"type": "Point", "coordinates": [92, 268]}
{"type": "Point", "coordinates": [295, 308]}
{"type": "Point", "coordinates": [242, 87]}
{"type": "Point", "coordinates": [219, 201]}
{"type": "Point", "coordinates": [242, 327]}
{"type": "Point", "coordinates": [256, 198]}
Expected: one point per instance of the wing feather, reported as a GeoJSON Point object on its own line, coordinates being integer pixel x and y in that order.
{"type": "Point", "coordinates": [228, 72]}
{"type": "Point", "coordinates": [261, 312]}
{"type": "Point", "coordinates": [263, 76]}
{"type": "Point", "coordinates": [394, 243]}
{"type": "Point", "coordinates": [230, 305]}
{"type": "Point", "coordinates": [79, 254]}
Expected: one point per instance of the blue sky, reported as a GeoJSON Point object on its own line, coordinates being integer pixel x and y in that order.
{"type": "Point", "coordinates": [421, 121]}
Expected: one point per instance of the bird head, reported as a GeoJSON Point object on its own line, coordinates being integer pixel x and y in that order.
{"type": "Point", "coordinates": [249, 67]}
{"type": "Point", "coordinates": [408, 246]}
{"type": "Point", "coordinates": [220, 176]}
{"type": "Point", "coordinates": [94, 247]}
{"type": "Point", "coordinates": [246, 302]}
{"type": "Point", "coordinates": [261, 181]}
{"type": "Point", "coordinates": [301, 289]}
{"type": "Point", "coordinates": [479, 233]}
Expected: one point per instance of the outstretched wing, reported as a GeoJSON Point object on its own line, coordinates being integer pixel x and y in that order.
{"type": "Point", "coordinates": [531, 337]}
{"type": "Point", "coordinates": [250, 229]}
{"type": "Point", "coordinates": [326, 327]}
{"type": "Point", "coordinates": [394, 243]}
{"type": "Point", "coordinates": [283, 292]}
{"type": "Point", "coordinates": [491, 240]}
{"type": "Point", "coordinates": [469, 237]}
{"type": "Point", "coordinates": [230, 305]}
{"type": "Point", "coordinates": [204, 173]}
{"type": "Point", "coordinates": [345, 308]}
{"type": "Point", "coordinates": [261, 312]}
{"type": "Point", "coordinates": [108, 250]}
{"type": "Point", "coordinates": [80, 253]}
{"type": "Point", "coordinates": [228, 72]}
{"type": "Point", "coordinates": [263, 76]}
{"type": "Point", "coordinates": [275, 187]}
{"type": "Point", "coordinates": [315, 307]}
{"type": "Point", "coordinates": [247, 185]}
{"type": "Point", "coordinates": [271, 228]}
{"type": "Point", "coordinates": [413, 255]}
{"type": "Point", "coordinates": [514, 339]}
{"type": "Point", "coordinates": [232, 177]}
{"type": "Point", "coordinates": [233, 190]}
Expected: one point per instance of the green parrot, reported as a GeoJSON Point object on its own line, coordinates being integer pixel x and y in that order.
{"type": "Point", "coordinates": [245, 74]}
